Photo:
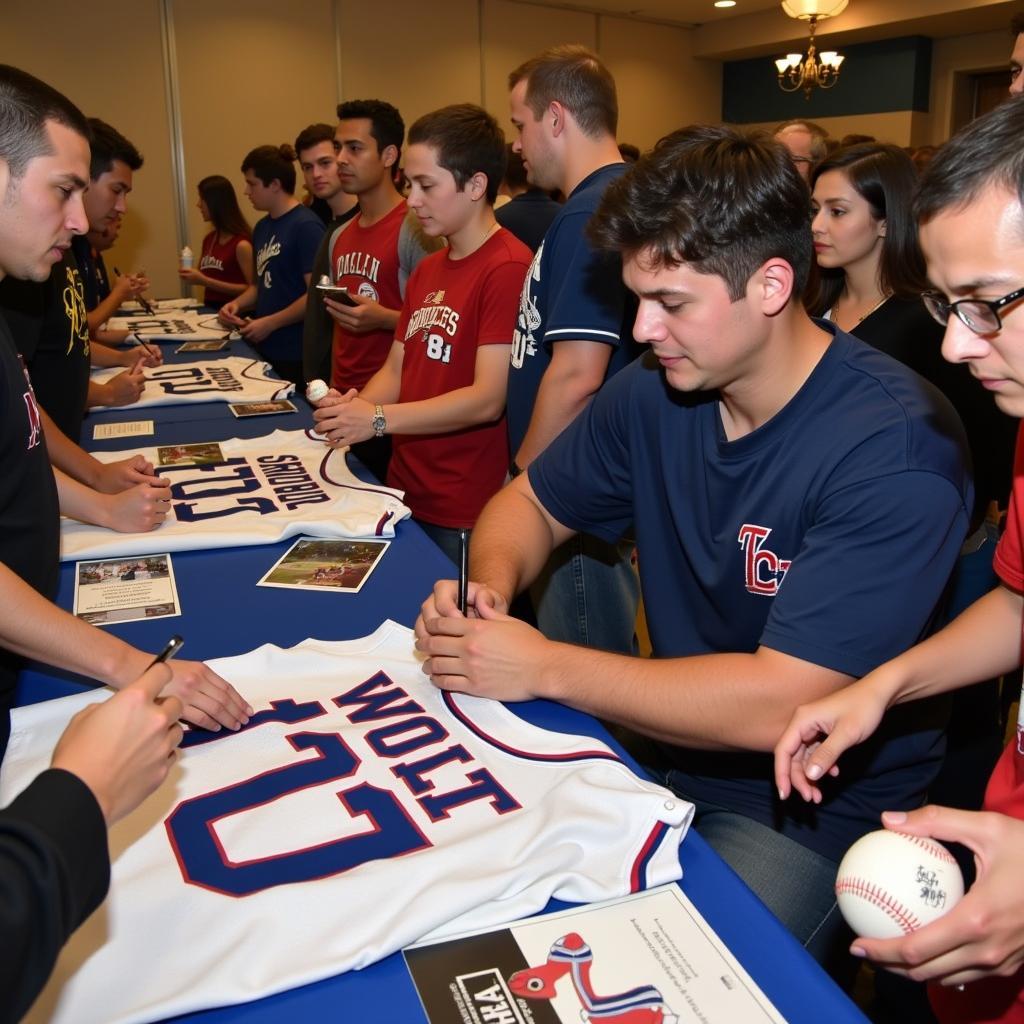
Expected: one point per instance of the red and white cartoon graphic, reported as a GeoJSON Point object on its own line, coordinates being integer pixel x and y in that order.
{"type": "Point", "coordinates": [571, 955]}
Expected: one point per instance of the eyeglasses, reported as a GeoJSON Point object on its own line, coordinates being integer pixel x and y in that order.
{"type": "Point", "coordinates": [980, 315]}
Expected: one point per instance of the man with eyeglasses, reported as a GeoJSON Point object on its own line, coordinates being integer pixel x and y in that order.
{"type": "Point", "coordinates": [1017, 57]}
{"type": "Point", "coordinates": [971, 209]}
{"type": "Point", "coordinates": [805, 142]}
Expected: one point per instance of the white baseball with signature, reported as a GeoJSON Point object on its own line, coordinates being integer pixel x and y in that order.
{"type": "Point", "coordinates": [890, 884]}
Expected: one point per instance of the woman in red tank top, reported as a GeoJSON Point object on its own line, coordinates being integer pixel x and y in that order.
{"type": "Point", "coordinates": [225, 265]}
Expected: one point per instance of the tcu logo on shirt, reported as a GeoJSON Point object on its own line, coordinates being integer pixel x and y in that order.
{"type": "Point", "coordinates": [763, 570]}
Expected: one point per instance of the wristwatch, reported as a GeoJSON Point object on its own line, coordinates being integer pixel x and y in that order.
{"type": "Point", "coordinates": [379, 424]}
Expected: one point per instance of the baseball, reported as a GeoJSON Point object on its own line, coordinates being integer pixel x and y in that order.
{"type": "Point", "coordinates": [890, 884]}
{"type": "Point", "coordinates": [316, 389]}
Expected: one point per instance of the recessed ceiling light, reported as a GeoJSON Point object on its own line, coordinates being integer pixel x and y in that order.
{"type": "Point", "coordinates": [725, 3]}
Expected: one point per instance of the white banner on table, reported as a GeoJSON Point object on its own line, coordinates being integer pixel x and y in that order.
{"type": "Point", "coordinates": [268, 488]}
{"type": "Point", "coordinates": [129, 428]}
{"type": "Point", "coordinates": [360, 810]}
{"type": "Point", "coordinates": [231, 379]}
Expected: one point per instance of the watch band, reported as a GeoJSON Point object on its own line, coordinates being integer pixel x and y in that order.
{"type": "Point", "coordinates": [379, 423]}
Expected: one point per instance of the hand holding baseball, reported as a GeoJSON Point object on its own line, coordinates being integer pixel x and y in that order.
{"type": "Point", "coordinates": [983, 934]}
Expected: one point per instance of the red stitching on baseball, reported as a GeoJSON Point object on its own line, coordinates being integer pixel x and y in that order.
{"type": "Point", "coordinates": [904, 917]}
{"type": "Point", "coordinates": [931, 846]}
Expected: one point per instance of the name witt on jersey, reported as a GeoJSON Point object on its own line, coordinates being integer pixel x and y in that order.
{"type": "Point", "coordinates": [210, 263]}
{"type": "Point", "coordinates": [438, 775]}
{"type": "Point", "coordinates": [359, 264]}
{"type": "Point", "coordinates": [266, 253]}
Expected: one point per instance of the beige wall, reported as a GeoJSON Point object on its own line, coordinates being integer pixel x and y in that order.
{"type": "Point", "coordinates": [37, 38]}
{"type": "Point", "coordinates": [258, 77]}
{"type": "Point", "coordinates": [987, 51]}
{"type": "Point", "coordinates": [229, 105]}
{"type": "Point", "coordinates": [661, 87]}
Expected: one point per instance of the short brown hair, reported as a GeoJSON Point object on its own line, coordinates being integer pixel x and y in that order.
{"type": "Point", "coordinates": [573, 76]}
{"type": "Point", "coordinates": [720, 200]}
{"type": "Point", "coordinates": [466, 140]}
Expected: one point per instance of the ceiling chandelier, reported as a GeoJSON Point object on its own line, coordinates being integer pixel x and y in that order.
{"type": "Point", "coordinates": [822, 71]}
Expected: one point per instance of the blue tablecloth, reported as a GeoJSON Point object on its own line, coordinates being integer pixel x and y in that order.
{"type": "Point", "coordinates": [224, 613]}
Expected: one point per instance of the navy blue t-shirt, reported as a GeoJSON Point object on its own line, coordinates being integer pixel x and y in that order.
{"type": "Point", "coordinates": [571, 292]}
{"type": "Point", "coordinates": [827, 534]}
{"type": "Point", "coordinates": [284, 250]}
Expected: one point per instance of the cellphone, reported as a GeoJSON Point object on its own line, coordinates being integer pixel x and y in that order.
{"type": "Point", "coordinates": [170, 649]}
{"type": "Point", "coordinates": [337, 294]}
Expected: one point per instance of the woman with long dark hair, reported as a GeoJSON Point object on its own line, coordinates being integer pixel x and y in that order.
{"type": "Point", "coordinates": [865, 244]}
{"type": "Point", "coordinates": [225, 266]}
{"type": "Point", "coordinates": [870, 277]}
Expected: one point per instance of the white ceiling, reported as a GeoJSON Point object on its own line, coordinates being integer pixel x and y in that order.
{"type": "Point", "coordinates": [974, 18]}
{"type": "Point", "coordinates": [683, 12]}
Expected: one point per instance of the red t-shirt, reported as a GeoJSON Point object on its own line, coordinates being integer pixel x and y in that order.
{"type": "Point", "coordinates": [220, 261]}
{"type": "Point", "coordinates": [451, 308]}
{"type": "Point", "coordinates": [365, 261]}
{"type": "Point", "coordinates": [998, 999]}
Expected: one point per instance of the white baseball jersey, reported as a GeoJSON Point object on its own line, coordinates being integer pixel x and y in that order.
{"type": "Point", "coordinates": [134, 308]}
{"type": "Point", "coordinates": [360, 810]}
{"type": "Point", "coordinates": [167, 324]}
{"type": "Point", "coordinates": [230, 379]}
{"type": "Point", "coordinates": [268, 488]}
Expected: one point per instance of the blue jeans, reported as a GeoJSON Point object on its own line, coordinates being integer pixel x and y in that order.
{"type": "Point", "coordinates": [588, 594]}
{"type": "Point", "coordinates": [795, 883]}
{"type": "Point", "coordinates": [445, 537]}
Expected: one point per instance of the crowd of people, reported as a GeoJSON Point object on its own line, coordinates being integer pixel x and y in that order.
{"type": "Point", "coordinates": [749, 377]}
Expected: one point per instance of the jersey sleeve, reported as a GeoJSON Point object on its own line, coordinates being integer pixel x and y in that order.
{"type": "Point", "coordinates": [587, 302]}
{"type": "Point", "coordinates": [863, 587]}
{"type": "Point", "coordinates": [1009, 557]}
{"type": "Point", "coordinates": [499, 303]}
{"type": "Point", "coordinates": [54, 871]}
{"type": "Point", "coordinates": [583, 477]}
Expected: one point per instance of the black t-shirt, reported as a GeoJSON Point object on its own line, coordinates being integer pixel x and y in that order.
{"type": "Point", "coordinates": [93, 279]}
{"type": "Point", "coordinates": [48, 322]}
{"type": "Point", "coordinates": [29, 510]}
{"type": "Point", "coordinates": [903, 329]}
{"type": "Point", "coordinates": [528, 216]}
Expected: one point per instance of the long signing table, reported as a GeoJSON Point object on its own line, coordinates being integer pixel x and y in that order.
{"type": "Point", "coordinates": [224, 613]}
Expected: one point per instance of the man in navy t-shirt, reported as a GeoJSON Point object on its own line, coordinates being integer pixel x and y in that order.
{"type": "Point", "coordinates": [799, 500]}
{"type": "Point", "coordinates": [284, 244]}
{"type": "Point", "coordinates": [573, 329]}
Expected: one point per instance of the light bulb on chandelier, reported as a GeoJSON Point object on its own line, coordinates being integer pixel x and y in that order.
{"type": "Point", "coordinates": [795, 71]}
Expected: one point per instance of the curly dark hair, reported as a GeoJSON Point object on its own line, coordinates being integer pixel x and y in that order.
{"type": "Point", "coordinates": [718, 199]}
